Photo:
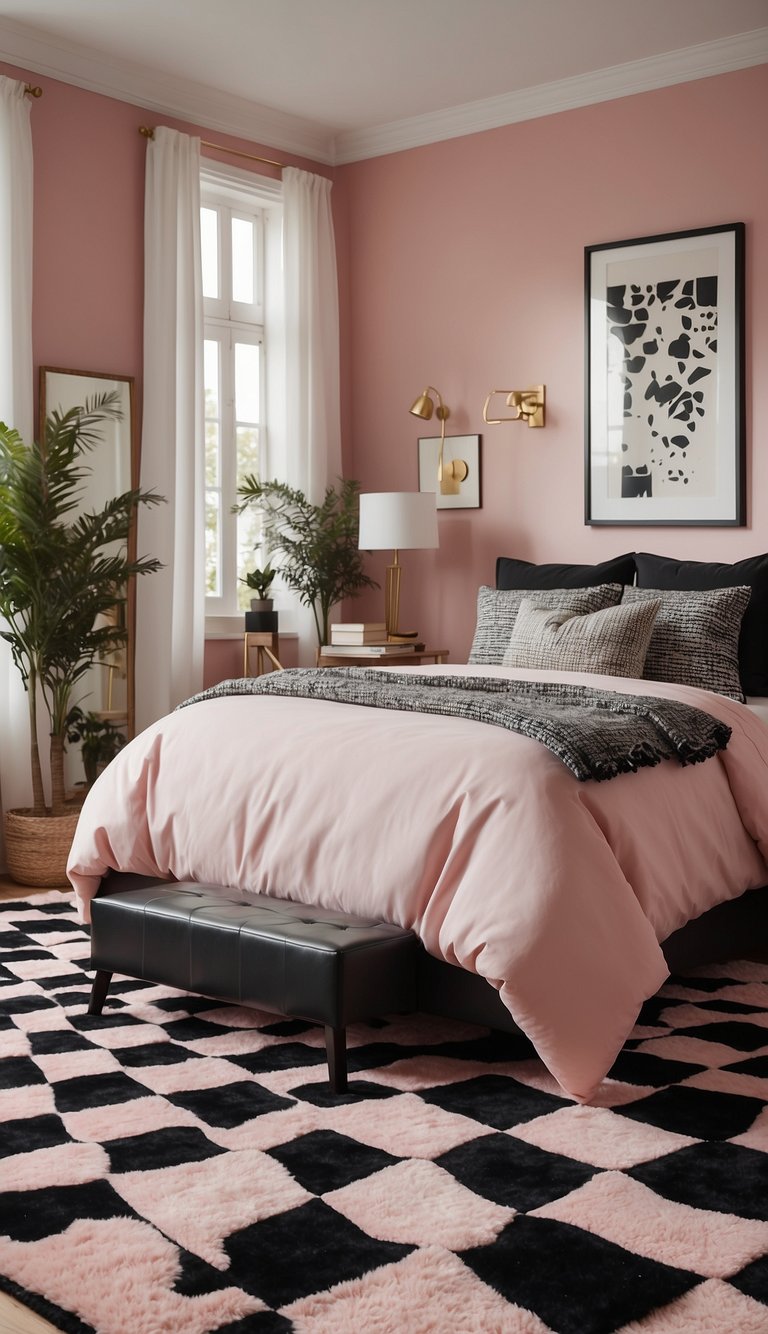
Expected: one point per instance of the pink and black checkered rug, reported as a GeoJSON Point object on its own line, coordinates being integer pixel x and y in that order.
{"type": "Point", "coordinates": [177, 1166]}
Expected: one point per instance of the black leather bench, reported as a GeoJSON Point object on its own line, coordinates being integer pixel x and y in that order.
{"type": "Point", "coordinates": [310, 963]}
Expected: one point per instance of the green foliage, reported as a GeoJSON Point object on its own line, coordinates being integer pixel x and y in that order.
{"type": "Point", "coordinates": [62, 572]}
{"type": "Point", "coordinates": [260, 580]}
{"type": "Point", "coordinates": [100, 739]}
{"type": "Point", "coordinates": [316, 544]}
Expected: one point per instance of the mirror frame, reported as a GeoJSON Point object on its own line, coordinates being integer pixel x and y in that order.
{"type": "Point", "coordinates": [128, 380]}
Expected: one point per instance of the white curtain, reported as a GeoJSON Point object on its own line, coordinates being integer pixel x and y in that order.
{"type": "Point", "coordinates": [16, 392]}
{"type": "Point", "coordinates": [312, 417]}
{"type": "Point", "coordinates": [170, 619]}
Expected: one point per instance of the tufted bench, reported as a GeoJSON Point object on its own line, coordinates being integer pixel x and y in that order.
{"type": "Point", "coordinates": [311, 963]}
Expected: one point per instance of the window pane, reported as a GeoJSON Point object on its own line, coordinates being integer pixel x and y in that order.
{"type": "Point", "coordinates": [247, 452]}
{"type": "Point", "coordinates": [211, 377]}
{"type": "Point", "coordinates": [209, 244]}
{"type": "Point", "coordinates": [242, 260]}
{"type": "Point", "coordinates": [247, 382]}
{"type": "Point", "coordinates": [249, 553]}
{"type": "Point", "coordinates": [212, 454]}
{"type": "Point", "coordinates": [213, 543]}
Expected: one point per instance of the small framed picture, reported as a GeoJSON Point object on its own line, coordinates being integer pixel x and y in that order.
{"type": "Point", "coordinates": [664, 396]}
{"type": "Point", "coordinates": [464, 448]}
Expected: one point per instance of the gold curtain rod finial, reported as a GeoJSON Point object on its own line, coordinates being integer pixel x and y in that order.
{"type": "Point", "coordinates": [528, 405]}
{"type": "Point", "coordinates": [33, 90]}
{"type": "Point", "coordinates": [147, 131]}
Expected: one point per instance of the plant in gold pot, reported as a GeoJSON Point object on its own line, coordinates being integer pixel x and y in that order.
{"type": "Point", "coordinates": [62, 572]}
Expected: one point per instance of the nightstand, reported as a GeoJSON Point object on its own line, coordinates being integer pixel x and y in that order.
{"type": "Point", "coordinates": [405, 659]}
{"type": "Point", "coordinates": [266, 646]}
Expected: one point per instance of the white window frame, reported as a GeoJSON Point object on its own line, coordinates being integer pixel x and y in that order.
{"type": "Point", "coordinates": [245, 195]}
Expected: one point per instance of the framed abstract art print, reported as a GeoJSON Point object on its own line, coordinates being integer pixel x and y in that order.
{"type": "Point", "coordinates": [665, 379]}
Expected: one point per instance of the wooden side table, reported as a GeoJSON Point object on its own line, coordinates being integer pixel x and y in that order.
{"type": "Point", "coordinates": [266, 645]}
{"type": "Point", "coordinates": [327, 658]}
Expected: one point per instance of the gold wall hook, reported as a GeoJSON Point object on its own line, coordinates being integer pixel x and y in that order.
{"type": "Point", "coordinates": [528, 405]}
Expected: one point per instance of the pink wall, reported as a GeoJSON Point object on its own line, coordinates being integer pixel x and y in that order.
{"type": "Point", "coordinates": [461, 265]}
{"type": "Point", "coordinates": [466, 265]}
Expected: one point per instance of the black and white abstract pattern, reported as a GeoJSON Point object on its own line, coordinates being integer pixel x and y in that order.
{"type": "Point", "coordinates": [662, 358]}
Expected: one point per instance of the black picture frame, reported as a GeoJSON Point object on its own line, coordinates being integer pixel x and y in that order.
{"type": "Point", "coordinates": [664, 379]}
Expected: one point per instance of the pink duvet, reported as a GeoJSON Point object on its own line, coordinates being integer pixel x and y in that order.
{"type": "Point", "coordinates": [557, 892]}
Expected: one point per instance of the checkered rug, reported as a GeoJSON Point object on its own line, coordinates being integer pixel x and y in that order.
{"type": "Point", "coordinates": [177, 1166]}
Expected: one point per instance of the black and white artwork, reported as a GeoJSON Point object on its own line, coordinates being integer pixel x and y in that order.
{"type": "Point", "coordinates": [664, 391]}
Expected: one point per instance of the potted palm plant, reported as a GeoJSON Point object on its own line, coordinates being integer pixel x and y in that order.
{"type": "Point", "coordinates": [261, 582]}
{"type": "Point", "coordinates": [316, 544]}
{"type": "Point", "coordinates": [62, 572]}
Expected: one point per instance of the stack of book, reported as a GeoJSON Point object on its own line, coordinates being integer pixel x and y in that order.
{"type": "Point", "coordinates": [358, 632]}
{"type": "Point", "coordinates": [365, 639]}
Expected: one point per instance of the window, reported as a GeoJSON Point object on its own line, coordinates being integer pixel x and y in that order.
{"type": "Point", "coordinates": [239, 227]}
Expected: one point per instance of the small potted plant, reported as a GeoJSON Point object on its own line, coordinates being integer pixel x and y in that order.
{"type": "Point", "coordinates": [261, 582]}
{"type": "Point", "coordinates": [100, 740]}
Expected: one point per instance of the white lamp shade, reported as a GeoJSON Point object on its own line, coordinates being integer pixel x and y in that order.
{"type": "Point", "coordinates": [398, 520]}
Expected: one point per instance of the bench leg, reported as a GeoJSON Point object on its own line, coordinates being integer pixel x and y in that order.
{"type": "Point", "coordinates": [336, 1049]}
{"type": "Point", "coordinates": [99, 991]}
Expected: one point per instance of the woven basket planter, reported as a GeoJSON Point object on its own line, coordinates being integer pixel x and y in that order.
{"type": "Point", "coordinates": [37, 846]}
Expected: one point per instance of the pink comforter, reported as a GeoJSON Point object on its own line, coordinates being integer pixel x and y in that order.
{"type": "Point", "coordinates": [479, 839]}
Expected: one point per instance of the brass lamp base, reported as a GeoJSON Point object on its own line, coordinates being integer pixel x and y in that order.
{"type": "Point", "coordinates": [392, 604]}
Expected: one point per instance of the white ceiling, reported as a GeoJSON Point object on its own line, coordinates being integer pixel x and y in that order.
{"type": "Point", "coordinates": [345, 79]}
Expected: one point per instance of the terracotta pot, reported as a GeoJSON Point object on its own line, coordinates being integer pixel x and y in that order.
{"type": "Point", "coordinates": [37, 846]}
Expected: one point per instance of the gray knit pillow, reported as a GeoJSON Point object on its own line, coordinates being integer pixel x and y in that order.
{"type": "Point", "coordinates": [497, 612]}
{"type": "Point", "coordinates": [695, 640]}
{"type": "Point", "coordinates": [613, 641]}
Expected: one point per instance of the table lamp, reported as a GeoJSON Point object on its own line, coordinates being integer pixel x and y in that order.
{"type": "Point", "coordinates": [397, 521]}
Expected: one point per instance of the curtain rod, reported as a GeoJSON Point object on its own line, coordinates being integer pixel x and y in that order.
{"type": "Point", "coordinates": [149, 133]}
{"type": "Point", "coordinates": [31, 91]}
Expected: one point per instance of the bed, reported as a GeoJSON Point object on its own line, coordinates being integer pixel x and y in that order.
{"type": "Point", "coordinates": [541, 901]}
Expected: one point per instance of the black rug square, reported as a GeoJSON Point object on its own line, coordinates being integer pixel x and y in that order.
{"type": "Point", "coordinates": [642, 1067]}
{"type": "Point", "coordinates": [304, 1250]}
{"type": "Point", "coordinates": [73, 1095]}
{"type": "Point", "coordinates": [193, 1029]}
{"type": "Point", "coordinates": [513, 1173]}
{"type": "Point", "coordinates": [741, 1035]}
{"type": "Point", "coordinates": [19, 1072]}
{"type": "Point", "coordinates": [56, 1041]}
{"type": "Point", "coordinates": [283, 1056]}
{"type": "Point", "coordinates": [230, 1106]}
{"type": "Point", "coordinates": [60, 981]}
{"type": "Point", "coordinates": [168, 1147]}
{"type": "Point", "coordinates": [154, 1053]}
{"type": "Point", "coordinates": [576, 1282]}
{"type": "Point", "coordinates": [322, 1095]}
{"type": "Point", "coordinates": [753, 1280]}
{"type": "Point", "coordinates": [700, 1113]}
{"type": "Point", "coordinates": [28, 1216]}
{"type": "Point", "coordinates": [31, 1133]}
{"type": "Point", "coordinates": [324, 1160]}
{"type": "Point", "coordinates": [494, 1100]}
{"type": "Point", "coordinates": [726, 1178]}
{"type": "Point", "coordinates": [29, 1004]}
{"type": "Point", "coordinates": [752, 1065]}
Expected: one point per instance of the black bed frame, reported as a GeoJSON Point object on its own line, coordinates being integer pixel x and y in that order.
{"type": "Point", "coordinates": [736, 929]}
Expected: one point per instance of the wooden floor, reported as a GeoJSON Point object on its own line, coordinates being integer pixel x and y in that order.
{"type": "Point", "coordinates": [15, 1318]}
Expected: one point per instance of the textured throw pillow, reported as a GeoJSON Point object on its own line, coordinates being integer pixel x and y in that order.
{"type": "Point", "coordinates": [497, 612]}
{"type": "Point", "coordinates": [512, 573]}
{"type": "Point", "coordinates": [665, 572]}
{"type": "Point", "coordinates": [613, 641]}
{"type": "Point", "coordinates": [695, 637]}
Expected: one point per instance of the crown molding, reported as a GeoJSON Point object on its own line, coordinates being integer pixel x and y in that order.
{"type": "Point", "coordinates": [637, 76]}
{"type": "Point", "coordinates": [183, 99]}
{"type": "Point", "coordinates": [215, 109]}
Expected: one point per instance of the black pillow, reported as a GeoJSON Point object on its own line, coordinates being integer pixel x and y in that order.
{"type": "Point", "coordinates": [511, 573]}
{"type": "Point", "coordinates": [699, 575]}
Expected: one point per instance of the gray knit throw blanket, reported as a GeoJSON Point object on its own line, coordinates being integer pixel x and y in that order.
{"type": "Point", "coordinates": [596, 733]}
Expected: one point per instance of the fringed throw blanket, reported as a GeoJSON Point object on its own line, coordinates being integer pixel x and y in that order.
{"type": "Point", "coordinates": [596, 733]}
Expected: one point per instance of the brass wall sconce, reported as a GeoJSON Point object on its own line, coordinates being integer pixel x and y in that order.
{"type": "Point", "coordinates": [449, 475]}
{"type": "Point", "coordinates": [528, 405]}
